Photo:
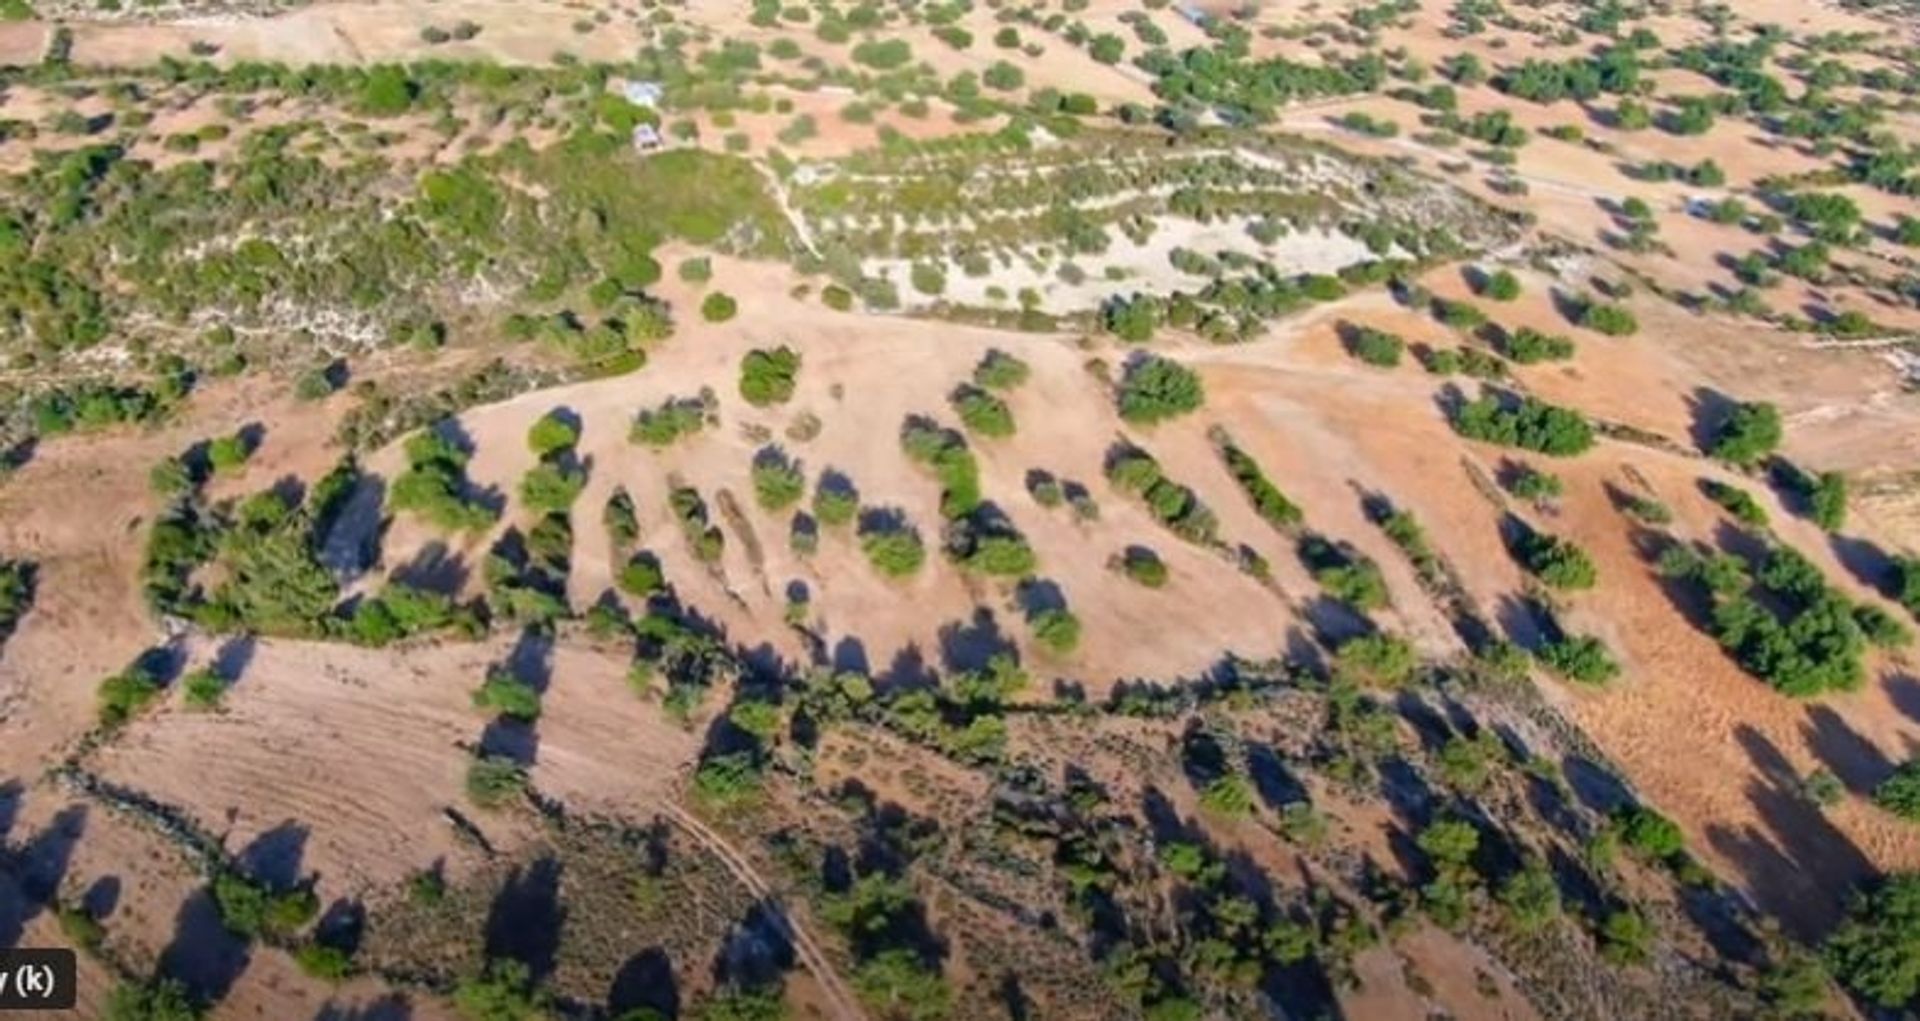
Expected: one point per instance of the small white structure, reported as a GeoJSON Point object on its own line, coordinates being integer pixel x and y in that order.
{"type": "Point", "coordinates": [646, 138]}
{"type": "Point", "coordinates": [645, 94]}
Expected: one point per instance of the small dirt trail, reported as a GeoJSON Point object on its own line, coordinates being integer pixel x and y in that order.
{"type": "Point", "coordinates": [840, 1000]}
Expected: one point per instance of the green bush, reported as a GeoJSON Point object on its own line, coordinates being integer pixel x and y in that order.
{"type": "Point", "coordinates": [663, 425]}
{"type": "Point", "coordinates": [494, 780]}
{"type": "Point", "coordinates": [1156, 389]}
{"type": "Point", "coordinates": [1558, 562]}
{"type": "Point", "coordinates": [327, 963]}
{"type": "Point", "coordinates": [509, 696]}
{"type": "Point", "coordinates": [1144, 566]}
{"type": "Point", "coordinates": [204, 689]}
{"type": "Point", "coordinates": [1748, 435]}
{"type": "Point", "coordinates": [434, 485]}
{"type": "Point", "coordinates": [1608, 320]}
{"type": "Point", "coordinates": [1899, 793]}
{"type": "Point", "coordinates": [1529, 346]}
{"type": "Point", "coordinates": [999, 370]}
{"type": "Point", "coordinates": [835, 505]}
{"type": "Point", "coordinates": [1532, 424]}
{"type": "Point", "coordinates": [718, 307]}
{"type": "Point", "coordinates": [1501, 286]}
{"type": "Point", "coordinates": [1271, 504]}
{"type": "Point", "coordinates": [1582, 658]}
{"type": "Point", "coordinates": [982, 413]}
{"type": "Point", "coordinates": [1380, 659]}
{"type": "Point", "coordinates": [778, 483]}
{"type": "Point", "coordinates": [1876, 952]}
{"type": "Point", "coordinates": [550, 488]}
{"type": "Point", "coordinates": [551, 435]}
{"type": "Point", "coordinates": [124, 694]}
{"type": "Point", "coordinates": [767, 377]}
{"type": "Point", "coordinates": [896, 552]}
{"type": "Point", "coordinates": [1376, 347]}
{"type": "Point", "coordinates": [1056, 629]}
{"type": "Point", "coordinates": [1737, 501]}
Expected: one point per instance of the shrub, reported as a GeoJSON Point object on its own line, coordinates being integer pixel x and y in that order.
{"type": "Point", "coordinates": [1827, 500]}
{"type": "Point", "coordinates": [661, 426]}
{"type": "Point", "coordinates": [927, 278]}
{"type": "Point", "coordinates": [836, 504]}
{"type": "Point", "coordinates": [1650, 834]}
{"type": "Point", "coordinates": [1582, 658]}
{"type": "Point", "coordinates": [1376, 347]}
{"type": "Point", "coordinates": [434, 485]}
{"type": "Point", "coordinates": [1609, 320]}
{"type": "Point", "coordinates": [204, 689]}
{"type": "Point", "coordinates": [767, 377]}
{"type": "Point", "coordinates": [1737, 501]}
{"type": "Point", "coordinates": [620, 519]}
{"type": "Point", "coordinates": [696, 270]}
{"type": "Point", "coordinates": [1268, 501]}
{"type": "Point", "coordinates": [509, 696]}
{"type": "Point", "coordinates": [896, 552]}
{"type": "Point", "coordinates": [1056, 629]}
{"type": "Point", "coordinates": [1626, 937]}
{"type": "Point", "coordinates": [718, 307]}
{"type": "Point", "coordinates": [1144, 566]}
{"type": "Point", "coordinates": [1156, 389]}
{"type": "Point", "coordinates": [1876, 952]}
{"type": "Point", "coordinates": [124, 694]}
{"type": "Point", "coordinates": [1532, 424]}
{"type": "Point", "coordinates": [1748, 435]}
{"type": "Point", "coordinates": [494, 780]}
{"type": "Point", "coordinates": [1501, 286]}
{"type": "Point", "coordinates": [550, 488]}
{"type": "Point", "coordinates": [778, 482]}
{"type": "Point", "coordinates": [1533, 484]}
{"type": "Point", "coordinates": [551, 435]}
{"type": "Point", "coordinates": [1531, 897]}
{"type": "Point", "coordinates": [1557, 561]}
{"type": "Point", "coordinates": [982, 413]}
{"type": "Point", "coordinates": [1899, 793]}
{"type": "Point", "coordinates": [1379, 658]}
{"type": "Point", "coordinates": [226, 453]}
{"type": "Point", "coordinates": [327, 963]}
{"type": "Point", "coordinates": [1529, 346]}
{"type": "Point", "coordinates": [1000, 371]}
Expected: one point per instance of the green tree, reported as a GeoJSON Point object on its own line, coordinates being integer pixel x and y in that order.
{"type": "Point", "coordinates": [1157, 389]}
{"type": "Point", "coordinates": [1749, 434]}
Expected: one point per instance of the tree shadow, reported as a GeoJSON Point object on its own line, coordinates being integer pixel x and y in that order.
{"type": "Point", "coordinates": [203, 955]}
{"type": "Point", "coordinates": [1903, 690]}
{"type": "Point", "coordinates": [230, 662]}
{"type": "Point", "coordinates": [850, 656]}
{"type": "Point", "coordinates": [1710, 410]}
{"type": "Point", "coordinates": [390, 1007]}
{"type": "Point", "coordinates": [908, 672]}
{"type": "Point", "coordinates": [436, 569]}
{"type": "Point", "coordinates": [1868, 563]}
{"type": "Point", "coordinates": [273, 858]}
{"type": "Point", "coordinates": [525, 919]}
{"type": "Point", "coordinates": [102, 898]}
{"type": "Point", "coordinates": [343, 926]}
{"type": "Point", "coordinates": [30, 878]}
{"type": "Point", "coordinates": [1796, 864]}
{"type": "Point", "coordinates": [351, 544]}
{"type": "Point", "coordinates": [757, 951]}
{"type": "Point", "coordinates": [1276, 785]}
{"type": "Point", "coordinates": [510, 739]}
{"type": "Point", "coordinates": [1598, 788]}
{"type": "Point", "coordinates": [530, 661]}
{"type": "Point", "coordinates": [972, 645]}
{"type": "Point", "coordinates": [1856, 761]}
{"type": "Point", "coordinates": [645, 982]}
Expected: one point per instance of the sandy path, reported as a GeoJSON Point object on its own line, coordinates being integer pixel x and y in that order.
{"type": "Point", "coordinates": [840, 1000]}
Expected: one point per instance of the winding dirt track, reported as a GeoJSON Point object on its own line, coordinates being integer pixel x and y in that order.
{"type": "Point", "coordinates": [840, 1000]}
